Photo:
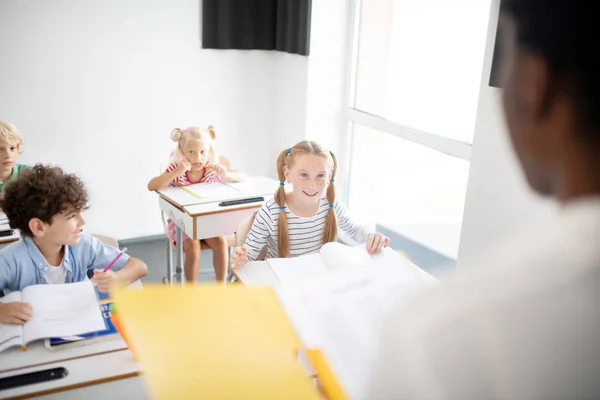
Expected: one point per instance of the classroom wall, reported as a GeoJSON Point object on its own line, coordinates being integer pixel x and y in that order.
{"type": "Point", "coordinates": [310, 91]}
{"type": "Point", "coordinates": [498, 200]}
{"type": "Point", "coordinates": [96, 86]}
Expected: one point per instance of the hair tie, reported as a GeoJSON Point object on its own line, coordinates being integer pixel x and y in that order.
{"type": "Point", "coordinates": [330, 205]}
{"type": "Point", "coordinates": [281, 184]}
{"type": "Point", "coordinates": [282, 207]}
{"type": "Point", "coordinates": [330, 152]}
{"type": "Point", "coordinates": [332, 180]}
{"type": "Point", "coordinates": [289, 150]}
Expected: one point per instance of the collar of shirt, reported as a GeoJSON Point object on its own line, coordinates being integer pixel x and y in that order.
{"type": "Point", "coordinates": [40, 261]}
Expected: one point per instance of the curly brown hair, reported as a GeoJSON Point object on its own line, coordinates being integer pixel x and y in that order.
{"type": "Point", "coordinates": [42, 191]}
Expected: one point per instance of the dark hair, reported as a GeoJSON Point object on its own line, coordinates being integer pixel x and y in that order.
{"type": "Point", "coordinates": [42, 191]}
{"type": "Point", "coordinates": [564, 34]}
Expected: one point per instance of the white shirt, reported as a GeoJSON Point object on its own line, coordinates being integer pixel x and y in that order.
{"type": "Point", "coordinates": [55, 275]}
{"type": "Point", "coordinates": [305, 233]}
{"type": "Point", "coordinates": [524, 324]}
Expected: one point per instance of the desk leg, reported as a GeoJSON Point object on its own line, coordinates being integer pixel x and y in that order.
{"type": "Point", "coordinates": [179, 277]}
{"type": "Point", "coordinates": [169, 261]}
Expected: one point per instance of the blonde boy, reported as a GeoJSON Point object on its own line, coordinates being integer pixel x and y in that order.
{"type": "Point", "coordinates": [11, 145]}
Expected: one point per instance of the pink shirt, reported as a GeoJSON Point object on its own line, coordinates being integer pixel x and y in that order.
{"type": "Point", "coordinates": [184, 180]}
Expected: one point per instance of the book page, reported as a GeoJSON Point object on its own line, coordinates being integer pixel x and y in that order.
{"type": "Point", "coordinates": [62, 310]}
{"type": "Point", "coordinates": [10, 335]}
{"type": "Point", "coordinates": [338, 255]}
{"type": "Point", "coordinates": [297, 269]}
{"type": "Point", "coordinates": [341, 315]}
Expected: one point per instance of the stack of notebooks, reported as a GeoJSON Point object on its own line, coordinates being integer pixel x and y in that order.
{"type": "Point", "coordinates": [245, 342]}
{"type": "Point", "coordinates": [4, 226]}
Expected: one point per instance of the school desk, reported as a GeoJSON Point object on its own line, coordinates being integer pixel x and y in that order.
{"type": "Point", "coordinates": [201, 217]}
{"type": "Point", "coordinates": [260, 273]}
{"type": "Point", "coordinates": [104, 367]}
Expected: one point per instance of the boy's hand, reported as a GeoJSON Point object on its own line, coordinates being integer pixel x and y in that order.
{"type": "Point", "coordinates": [183, 167]}
{"type": "Point", "coordinates": [239, 258]}
{"type": "Point", "coordinates": [377, 241]}
{"type": "Point", "coordinates": [16, 313]}
{"type": "Point", "coordinates": [104, 280]}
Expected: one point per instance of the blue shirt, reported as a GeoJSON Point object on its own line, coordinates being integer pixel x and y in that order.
{"type": "Point", "coordinates": [22, 264]}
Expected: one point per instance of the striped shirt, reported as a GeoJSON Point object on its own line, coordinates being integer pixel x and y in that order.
{"type": "Point", "coordinates": [306, 233]}
{"type": "Point", "coordinates": [184, 180]}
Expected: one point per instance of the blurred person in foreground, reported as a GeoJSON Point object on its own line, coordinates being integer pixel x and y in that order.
{"type": "Point", "coordinates": [524, 322]}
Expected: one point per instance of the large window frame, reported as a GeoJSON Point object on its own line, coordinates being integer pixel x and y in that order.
{"type": "Point", "coordinates": [354, 116]}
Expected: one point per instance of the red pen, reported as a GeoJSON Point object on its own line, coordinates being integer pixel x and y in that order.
{"type": "Point", "coordinates": [112, 262]}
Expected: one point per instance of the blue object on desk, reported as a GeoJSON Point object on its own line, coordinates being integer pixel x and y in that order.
{"type": "Point", "coordinates": [110, 330]}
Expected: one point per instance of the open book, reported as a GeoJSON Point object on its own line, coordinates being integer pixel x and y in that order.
{"type": "Point", "coordinates": [340, 313]}
{"type": "Point", "coordinates": [58, 310]}
{"type": "Point", "coordinates": [335, 257]}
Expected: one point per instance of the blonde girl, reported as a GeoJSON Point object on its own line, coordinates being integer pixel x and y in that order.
{"type": "Point", "coordinates": [195, 160]}
{"type": "Point", "coordinates": [301, 221]}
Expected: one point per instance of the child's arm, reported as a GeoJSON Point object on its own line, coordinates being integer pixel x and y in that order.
{"type": "Point", "coordinates": [133, 270]}
{"type": "Point", "coordinates": [227, 174]}
{"type": "Point", "coordinates": [171, 173]}
{"type": "Point", "coordinates": [255, 240]}
{"type": "Point", "coordinates": [259, 233]}
{"type": "Point", "coordinates": [375, 241]}
{"type": "Point", "coordinates": [235, 176]}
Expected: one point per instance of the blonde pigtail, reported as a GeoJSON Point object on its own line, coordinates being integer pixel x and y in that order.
{"type": "Point", "coordinates": [331, 225]}
{"type": "Point", "coordinates": [283, 237]}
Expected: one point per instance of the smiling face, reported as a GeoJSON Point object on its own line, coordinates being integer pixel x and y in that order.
{"type": "Point", "coordinates": [65, 228]}
{"type": "Point", "coordinates": [309, 175]}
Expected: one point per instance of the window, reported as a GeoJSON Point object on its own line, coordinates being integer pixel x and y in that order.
{"type": "Point", "coordinates": [414, 89]}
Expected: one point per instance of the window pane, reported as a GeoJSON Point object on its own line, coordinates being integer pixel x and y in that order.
{"type": "Point", "coordinates": [420, 63]}
{"type": "Point", "coordinates": [417, 192]}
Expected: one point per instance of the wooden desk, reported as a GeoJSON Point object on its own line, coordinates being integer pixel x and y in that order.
{"type": "Point", "coordinates": [203, 218]}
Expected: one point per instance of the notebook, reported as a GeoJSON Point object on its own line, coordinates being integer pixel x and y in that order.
{"type": "Point", "coordinates": [338, 311]}
{"type": "Point", "coordinates": [58, 310]}
{"type": "Point", "coordinates": [233, 343]}
{"type": "Point", "coordinates": [67, 342]}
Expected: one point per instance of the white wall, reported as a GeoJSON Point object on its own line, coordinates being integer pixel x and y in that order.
{"type": "Point", "coordinates": [309, 91]}
{"type": "Point", "coordinates": [498, 200]}
{"type": "Point", "coordinates": [327, 69]}
{"type": "Point", "coordinates": [96, 86]}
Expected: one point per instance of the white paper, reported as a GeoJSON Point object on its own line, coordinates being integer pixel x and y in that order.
{"type": "Point", "coordinates": [62, 310]}
{"type": "Point", "coordinates": [297, 269]}
{"type": "Point", "coordinates": [205, 193]}
{"type": "Point", "coordinates": [213, 190]}
{"type": "Point", "coordinates": [256, 186]}
{"type": "Point", "coordinates": [10, 335]}
{"type": "Point", "coordinates": [341, 314]}
{"type": "Point", "coordinates": [337, 255]}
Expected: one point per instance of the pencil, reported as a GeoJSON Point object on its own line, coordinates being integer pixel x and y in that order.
{"type": "Point", "coordinates": [113, 262]}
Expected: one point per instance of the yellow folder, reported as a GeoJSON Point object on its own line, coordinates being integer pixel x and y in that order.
{"type": "Point", "coordinates": [214, 342]}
